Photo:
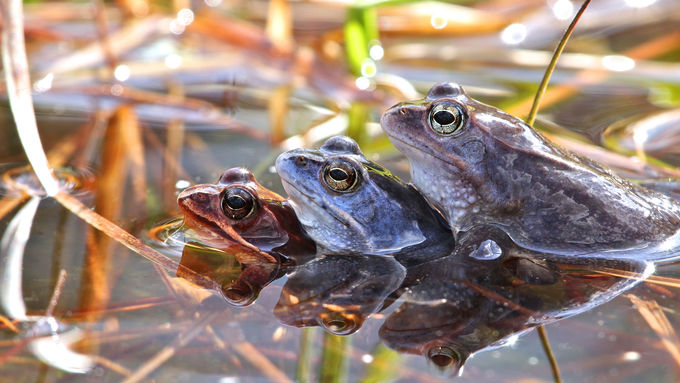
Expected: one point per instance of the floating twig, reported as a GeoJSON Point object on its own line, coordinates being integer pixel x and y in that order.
{"type": "Point", "coordinates": [123, 237]}
{"type": "Point", "coordinates": [56, 293]}
{"type": "Point", "coordinates": [8, 323]}
{"type": "Point", "coordinates": [657, 320]}
{"type": "Point", "coordinates": [252, 355]}
{"type": "Point", "coordinates": [168, 351]}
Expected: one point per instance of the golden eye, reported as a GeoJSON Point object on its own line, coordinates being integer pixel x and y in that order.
{"type": "Point", "coordinates": [340, 175]}
{"type": "Point", "coordinates": [446, 118]}
{"type": "Point", "coordinates": [238, 203]}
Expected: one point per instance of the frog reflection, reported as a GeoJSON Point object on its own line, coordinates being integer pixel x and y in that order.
{"type": "Point", "coordinates": [349, 204]}
{"type": "Point", "coordinates": [487, 290]}
{"type": "Point", "coordinates": [239, 284]}
{"type": "Point", "coordinates": [455, 306]}
{"type": "Point", "coordinates": [260, 216]}
{"type": "Point", "coordinates": [480, 165]}
{"type": "Point", "coordinates": [338, 292]}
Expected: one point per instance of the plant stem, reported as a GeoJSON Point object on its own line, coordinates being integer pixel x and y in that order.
{"type": "Point", "coordinates": [530, 121]}
{"type": "Point", "coordinates": [18, 83]}
{"type": "Point", "coordinates": [553, 62]}
{"type": "Point", "coordinates": [548, 352]}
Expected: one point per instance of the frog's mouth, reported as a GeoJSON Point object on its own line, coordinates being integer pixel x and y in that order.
{"type": "Point", "coordinates": [457, 164]}
{"type": "Point", "coordinates": [312, 201]}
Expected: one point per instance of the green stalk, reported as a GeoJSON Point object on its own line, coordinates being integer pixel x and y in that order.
{"type": "Point", "coordinates": [543, 335]}
{"type": "Point", "coordinates": [304, 366]}
{"type": "Point", "coordinates": [548, 352]}
{"type": "Point", "coordinates": [553, 62]}
{"type": "Point", "coordinates": [381, 369]}
{"type": "Point", "coordinates": [334, 359]}
{"type": "Point", "coordinates": [358, 117]}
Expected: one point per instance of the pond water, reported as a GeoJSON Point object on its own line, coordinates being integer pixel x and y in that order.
{"type": "Point", "coordinates": [231, 102]}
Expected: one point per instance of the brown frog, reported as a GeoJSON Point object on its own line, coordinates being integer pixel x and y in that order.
{"type": "Point", "coordinates": [239, 206]}
{"type": "Point", "coordinates": [479, 165]}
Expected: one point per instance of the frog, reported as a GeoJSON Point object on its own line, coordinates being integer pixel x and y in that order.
{"type": "Point", "coordinates": [238, 203]}
{"type": "Point", "coordinates": [350, 204]}
{"type": "Point", "coordinates": [479, 165]}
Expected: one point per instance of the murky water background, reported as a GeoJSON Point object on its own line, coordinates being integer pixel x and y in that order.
{"type": "Point", "coordinates": [234, 103]}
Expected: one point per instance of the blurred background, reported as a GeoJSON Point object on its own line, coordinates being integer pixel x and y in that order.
{"type": "Point", "coordinates": [136, 100]}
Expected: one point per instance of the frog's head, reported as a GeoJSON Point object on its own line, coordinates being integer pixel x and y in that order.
{"type": "Point", "coordinates": [452, 140]}
{"type": "Point", "coordinates": [239, 202]}
{"type": "Point", "coordinates": [346, 202]}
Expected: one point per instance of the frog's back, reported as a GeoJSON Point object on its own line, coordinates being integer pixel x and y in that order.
{"type": "Point", "coordinates": [577, 206]}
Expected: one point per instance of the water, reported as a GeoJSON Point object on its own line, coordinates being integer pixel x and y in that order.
{"type": "Point", "coordinates": [119, 316]}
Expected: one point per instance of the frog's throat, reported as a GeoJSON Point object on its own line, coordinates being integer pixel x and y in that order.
{"type": "Point", "coordinates": [450, 194]}
{"type": "Point", "coordinates": [345, 219]}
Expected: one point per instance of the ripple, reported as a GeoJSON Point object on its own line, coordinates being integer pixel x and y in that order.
{"type": "Point", "coordinates": [169, 237]}
{"type": "Point", "coordinates": [20, 180]}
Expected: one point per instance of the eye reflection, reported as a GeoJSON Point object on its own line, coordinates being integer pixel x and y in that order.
{"type": "Point", "coordinates": [340, 323]}
{"type": "Point", "coordinates": [238, 203]}
{"type": "Point", "coordinates": [340, 175]}
{"type": "Point", "coordinates": [443, 356]}
{"type": "Point", "coordinates": [240, 295]}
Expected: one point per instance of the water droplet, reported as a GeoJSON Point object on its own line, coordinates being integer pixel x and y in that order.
{"type": "Point", "coordinates": [487, 250]}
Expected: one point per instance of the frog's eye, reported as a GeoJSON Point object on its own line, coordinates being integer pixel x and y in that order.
{"type": "Point", "coordinates": [446, 118]}
{"type": "Point", "coordinates": [238, 203]}
{"type": "Point", "coordinates": [340, 175]}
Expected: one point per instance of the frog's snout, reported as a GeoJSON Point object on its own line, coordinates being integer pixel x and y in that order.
{"type": "Point", "coordinates": [283, 164]}
{"type": "Point", "coordinates": [184, 198]}
{"type": "Point", "coordinates": [196, 195]}
{"type": "Point", "coordinates": [400, 116]}
{"type": "Point", "coordinates": [184, 195]}
{"type": "Point", "coordinates": [287, 161]}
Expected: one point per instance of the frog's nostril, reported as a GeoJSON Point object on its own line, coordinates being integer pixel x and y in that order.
{"type": "Point", "coordinates": [184, 197]}
{"type": "Point", "coordinates": [402, 111]}
{"type": "Point", "coordinates": [301, 161]}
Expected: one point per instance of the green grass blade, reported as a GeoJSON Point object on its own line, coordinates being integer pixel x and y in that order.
{"type": "Point", "coordinates": [334, 359]}
{"type": "Point", "coordinates": [531, 118]}
{"type": "Point", "coordinates": [356, 44]}
{"type": "Point", "coordinates": [381, 369]}
{"type": "Point", "coordinates": [553, 62]}
{"type": "Point", "coordinates": [304, 366]}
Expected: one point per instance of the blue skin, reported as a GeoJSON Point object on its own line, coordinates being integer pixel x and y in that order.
{"type": "Point", "coordinates": [378, 214]}
{"type": "Point", "coordinates": [490, 168]}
